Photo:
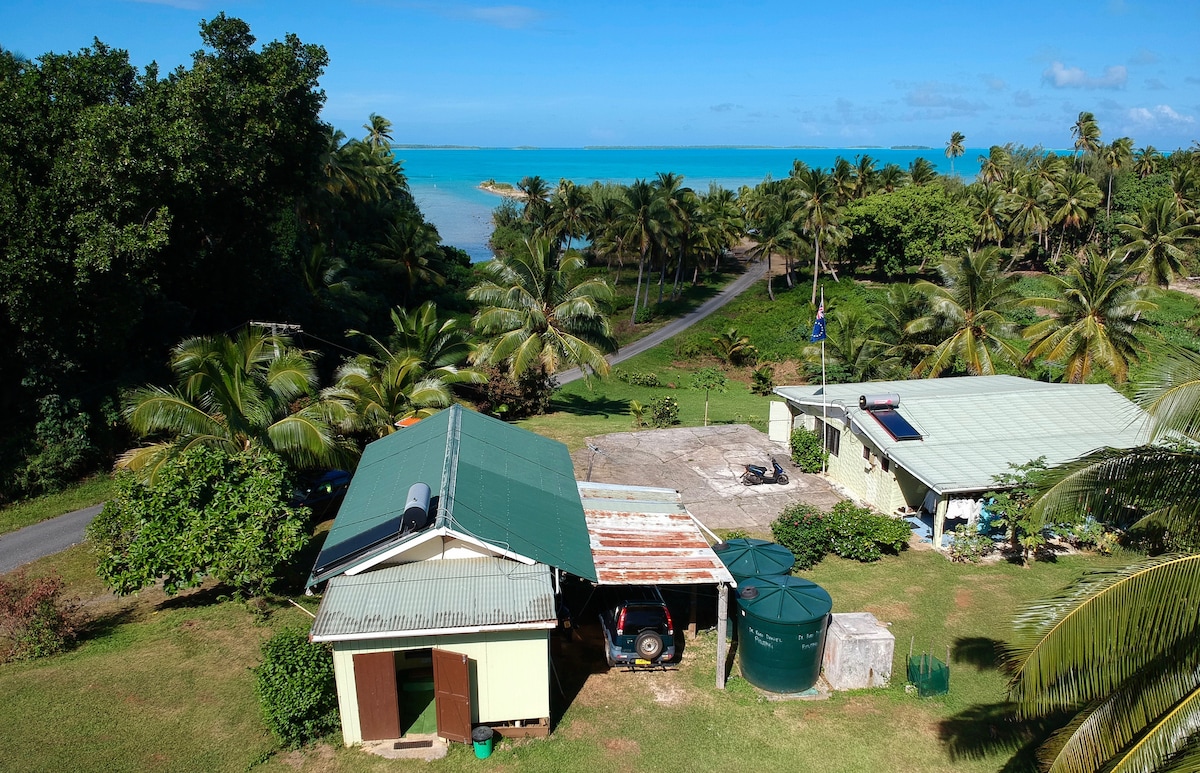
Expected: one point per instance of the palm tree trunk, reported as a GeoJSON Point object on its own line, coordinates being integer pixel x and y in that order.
{"type": "Point", "coordinates": [637, 293]}
{"type": "Point", "coordinates": [816, 265]}
{"type": "Point", "coordinates": [662, 280]}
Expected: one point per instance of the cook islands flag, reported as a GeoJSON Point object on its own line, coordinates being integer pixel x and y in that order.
{"type": "Point", "coordinates": [818, 331]}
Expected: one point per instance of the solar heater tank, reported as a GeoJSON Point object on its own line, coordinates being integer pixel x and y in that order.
{"type": "Point", "coordinates": [416, 508]}
{"type": "Point", "coordinates": [878, 402]}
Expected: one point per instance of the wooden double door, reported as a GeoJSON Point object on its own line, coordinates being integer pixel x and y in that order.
{"type": "Point", "coordinates": [378, 693]}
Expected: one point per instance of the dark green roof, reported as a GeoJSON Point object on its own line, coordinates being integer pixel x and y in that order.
{"type": "Point", "coordinates": [489, 480]}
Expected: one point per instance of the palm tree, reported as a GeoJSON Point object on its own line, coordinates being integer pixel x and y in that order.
{"type": "Point", "coordinates": [891, 177]}
{"type": "Point", "coordinates": [1146, 161]}
{"type": "Point", "coordinates": [955, 149]}
{"type": "Point", "coordinates": [993, 166]}
{"type": "Point", "coordinates": [1073, 200]}
{"type": "Point", "coordinates": [408, 377]}
{"type": "Point", "coordinates": [865, 176]}
{"type": "Point", "coordinates": [772, 233]}
{"type": "Point", "coordinates": [378, 131]}
{"type": "Point", "coordinates": [921, 172]}
{"type": "Point", "coordinates": [1096, 318]}
{"type": "Point", "coordinates": [1027, 208]}
{"type": "Point", "coordinates": [1156, 237]}
{"type": "Point", "coordinates": [1113, 660]}
{"type": "Point", "coordinates": [819, 215]}
{"type": "Point", "coordinates": [536, 207]}
{"type": "Point", "coordinates": [734, 348]}
{"type": "Point", "coordinates": [844, 180]}
{"type": "Point", "coordinates": [569, 211]}
{"type": "Point", "coordinates": [967, 313]}
{"type": "Point", "coordinates": [235, 394]}
{"type": "Point", "coordinates": [852, 341]}
{"type": "Point", "coordinates": [1087, 135]}
{"type": "Point", "coordinates": [646, 217]}
{"type": "Point", "coordinates": [408, 248]}
{"type": "Point", "coordinates": [538, 312]}
{"type": "Point", "coordinates": [1184, 187]}
{"type": "Point", "coordinates": [1115, 155]}
{"type": "Point", "coordinates": [988, 203]}
{"type": "Point", "coordinates": [681, 208]}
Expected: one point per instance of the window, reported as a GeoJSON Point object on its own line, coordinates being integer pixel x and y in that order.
{"type": "Point", "coordinates": [885, 463]}
{"type": "Point", "coordinates": [833, 437]}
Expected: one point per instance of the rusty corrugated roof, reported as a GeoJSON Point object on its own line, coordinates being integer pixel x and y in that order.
{"type": "Point", "coordinates": [436, 596]}
{"type": "Point", "coordinates": [645, 536]}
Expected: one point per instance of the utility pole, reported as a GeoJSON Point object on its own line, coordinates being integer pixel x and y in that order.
{"type": "Point", "coordinates": [276, 329]}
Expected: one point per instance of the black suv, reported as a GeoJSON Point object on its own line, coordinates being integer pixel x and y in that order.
{"type": "Point", "coordinates": [638, 630]}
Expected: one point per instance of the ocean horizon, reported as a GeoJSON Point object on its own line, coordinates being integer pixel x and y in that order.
{"type": "Point", "coordinates": [445, 179]}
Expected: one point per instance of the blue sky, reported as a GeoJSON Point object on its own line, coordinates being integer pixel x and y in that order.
{"type": "Point", "coordinates": [570, 74]}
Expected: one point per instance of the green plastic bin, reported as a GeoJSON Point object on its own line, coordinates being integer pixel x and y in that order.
{"type": "Point", "coordinates": [483, 737]}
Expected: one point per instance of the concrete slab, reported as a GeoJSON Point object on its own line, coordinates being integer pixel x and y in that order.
{"type": "Point", "coordinates": [705, 465]}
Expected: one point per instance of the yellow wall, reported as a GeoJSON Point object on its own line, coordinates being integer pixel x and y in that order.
{"type": "Point", "coordinates": [510, 674]}
{"type": "Point", "coordinates": [866, 481]}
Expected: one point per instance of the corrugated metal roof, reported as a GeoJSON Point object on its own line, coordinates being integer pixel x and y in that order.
{"type": "Point", "coordinates": [490, 480]}
{"type": "Point", "coordinates": [426, 596]}
{"type": "Point", "coordinates": [645, 536]}
{"type": "Point", "coordinates": [974, 427]}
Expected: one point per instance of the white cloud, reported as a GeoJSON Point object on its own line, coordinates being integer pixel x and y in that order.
{"type": "Point", "coordinates": [510, 17]}
{"type": "Point", "coordinates": [724, 107]}
{"type": "Point", "coordinates": [1144, 56]}
{"type": "Point", "coordinates": [1060, 76]}
{"type": "Point", "coordinates": [994, 84]}
{"type": "Point", "coordinates": [1159, 114]}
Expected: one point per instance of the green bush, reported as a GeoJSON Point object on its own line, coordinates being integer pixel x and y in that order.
{"type": "Point", "coordinates": [804, 530]}
{"type": "Point", "coordinates": [35, 621]}
{"type": "Point", "coordinates": [296, 688]}
{"type": "Point", "coordinates": [763, 380]}
{"type": "Point", "coordinates": [857, 533]}
{"type": "Point", "coordinates": [807, 453]}
{"type": "Point", "coordinates": [637, 379]}
{"type": "Point", "coordinates": [690, 347]}
{"type": "Point", "coordinates": [664, 412]}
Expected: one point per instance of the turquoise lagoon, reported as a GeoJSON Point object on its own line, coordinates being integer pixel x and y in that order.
{"type": "Point", "coordinates": [445, 181]}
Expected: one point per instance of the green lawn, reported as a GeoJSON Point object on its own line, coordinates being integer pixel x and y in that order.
{"type": "Point", "coordinates": [164, 685]}
{"type": "Point", "coordinates": [90, 492]}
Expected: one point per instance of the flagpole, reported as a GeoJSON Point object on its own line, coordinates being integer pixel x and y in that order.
{"type": "Point", "coordinates": [824, 399]}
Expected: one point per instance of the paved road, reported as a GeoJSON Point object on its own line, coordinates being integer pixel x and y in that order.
{"type": "Point", "coordinates": [45, 538]}
{"type": "Point", "coordinates": [49, 537]}
{"type": "Point", "coordinates": [754, 272]}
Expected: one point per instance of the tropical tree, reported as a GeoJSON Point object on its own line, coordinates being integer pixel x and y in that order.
{"type": "Point", "coordinates": [988, 203]}
{"type": "Point", "coordinates": [772, 232]}
{"type": "Point", "coordinates": [921, 172]}
{"type": "Point", "coordinates": [852, 343]}
{"type": "Point", "coordinates": [236, 394]}
{"type": "Point", "coordinates": [819, 215]}
{"type": "Point", "coordinates": [954, 148]}
{"type": "Point", "coordinates": [892, 177]}
{"type": "Point", "coordinates": [1072, 203]}
{"type": "Point", "coordinates": [968, 316]}
{"type": "Point", "coordinates": [1113, 662]}
{"type": "Point", "coordinates": [1156, 237]}
{"type": "Point", "coordinates": [536, 192]}
{"type": "Point", "coordinates": [409, 248]}
{"type": "Point", "coordinates": [569, 212]}
{"type": "Point", "coordinates": [1086, 132]}
{"type": "Point", "coordinates": [733, 348]}
{"type": "Point", "coordinates": [1114, 156]}
{"type": "Point", "coordinates": [1096, 318]}
{"type": "Point", "coordinates": [710, 380]}
{"type": "Point", "coordinates": [408, 377]}
{"type": "Point", "coordinates": [538, 312]}
{"type": "Point", "coordinates": [1146, 161]}
{"type": "Point", "coordinates": [645, 216]}
{"type": "Point", "coordinates": [865, 176]}
{"type": "Point", "coordinates": [378, 131]}
{"type": "Point", "coordinates": [1026, 208]}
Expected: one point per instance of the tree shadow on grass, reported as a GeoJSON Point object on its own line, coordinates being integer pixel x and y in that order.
{"type": "Point", "coordinates": [102, 626]}
{"type": "Point", "coordinates": [988, 729]}
{"type": "Point", "coordinates": [585, 405]}
{"type": "Point", "coordinates": [978, 651]}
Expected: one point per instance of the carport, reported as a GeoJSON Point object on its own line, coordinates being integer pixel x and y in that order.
{"type": "Point", "coordinates": [645, 536]}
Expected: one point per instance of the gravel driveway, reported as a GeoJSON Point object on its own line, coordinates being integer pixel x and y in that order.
{"type": "Point", "coordinates": [705, 465]}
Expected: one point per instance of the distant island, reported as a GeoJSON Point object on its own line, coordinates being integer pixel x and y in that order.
{"type": "Point", "coordinates": [911, 147]}
{"type": "Point", "coordinates": [704, 147]}
{"type": "Point", "coordinates": [436, 147]}
{"type": "Point", "coordinates": [508, 190]}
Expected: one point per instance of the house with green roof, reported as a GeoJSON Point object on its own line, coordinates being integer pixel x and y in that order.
{"type": "Point", "coordinates": [439, 599]}
{"type": "Point", "coordinates": [935, 445]}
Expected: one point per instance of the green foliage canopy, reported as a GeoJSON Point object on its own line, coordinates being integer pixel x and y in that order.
{"type": "Point", "coordinates": [910, 227]}
{"type": "Point", "coordinates": [210, 513]}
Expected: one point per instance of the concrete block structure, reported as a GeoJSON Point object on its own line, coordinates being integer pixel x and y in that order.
{"type": "Point", "coordinates": [858, 652]}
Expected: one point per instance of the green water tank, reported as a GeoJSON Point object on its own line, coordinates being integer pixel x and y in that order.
{"type": "Point", "coordinates": [781, 632]}
{"type": "Point", "coordinates": [749, 558]}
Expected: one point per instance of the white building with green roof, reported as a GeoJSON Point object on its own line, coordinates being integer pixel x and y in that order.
{"type": "Point", "coordinates": [440, 618]}
{"type": "Point", "coordinates": [935, 444]}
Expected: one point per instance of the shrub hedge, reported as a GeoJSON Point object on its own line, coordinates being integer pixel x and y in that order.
{"type": "Point", "coordinates": [848, 530]}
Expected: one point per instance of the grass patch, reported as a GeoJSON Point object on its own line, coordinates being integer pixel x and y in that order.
{"type": "Point", "coordinates": [164, 684]}
{"type": "Point", "coordinates": [90, 492]}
